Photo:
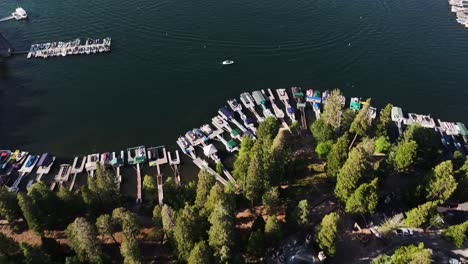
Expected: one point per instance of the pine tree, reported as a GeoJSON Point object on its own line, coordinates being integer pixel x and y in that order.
{"type": "Point", "coordinates": [106, 226]}
{"type": "Point", "coordinates": [168, 219]}
{"type": "Point", "coordinates": [30, 213]}
{"type": "Point", "coordinates": [187, 231]}
{"type": "Point", "coordinates": [8, 247]}
{"type": "Point", "coordinates": [302, 213]}
{"type": "Point", "coordinates": [442, 183]}
{"type": "Point", "coordinates": [271, 201]}
{"type": "Point", "coordinates": [321, 130]}
{"type": "Point", "coordinates": [34, 255]}
{"type": "Point", "coordinates": [385, 119]}
{"type": "Point", "coordinates": [205, 182]}
{"type": "Point", "coordinates": [149, 188]}
{"type": "Point", "coordinates": [405, 155]}
{"type": "Point", "coordinates": [337, 155]}
{"type": "Point", "coordinates": [364, 199]}
{"type": "Point", "coordinates": [9, 208]}
{"type": "Point", "coordinates": [272, 228]}
{"type": "Point", "coordinates": [333, 108]}
{"type": "Point", "coordinates": [456, 234]}
{"type": "Point", "coordinates": [326, 233]}
{"type": "Point", "coordinates": [82, 239]}
{"type": "Point", "coordinates": [130, 251]}
{"type": "Point", "coordinates": [200, 254]}
{"type": "Point", "coordinates": [418, 216]}
{"type": "Point", "coordinates": [221, 232]}
{"type": "Point", "coordinates": [361, 122]}
{"type": "Point", "coordinates": [256, 245]}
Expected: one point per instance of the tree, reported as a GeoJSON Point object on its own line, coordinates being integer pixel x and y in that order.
{"type": "Point", "coordinates": [101, 192]}
{"type": "Point", "coordinates": [254, 182]}
{"type": "Point", "coordinates": [150, 188]}
{"type": "Point", "coordinates": [361, 122]}
{"type": "Point", "coordinates": [272, 228]}
{"type": "Point", "coordinates": [205, 182]}
{"type": "Point", "coordinates": [105, 226]}
{"type": "Point", "coordinates": [337, 156]}
{"type": "Point", "coordinates": [9, 208]}
{"type": "Point", "coordinates": [130, 251]}
{"type": "Point", "coordinates": [353, 170]}
{"type": "Point", "coordinates": [429, 144]}
{"type": "Point", "coordinates": [8, 247]}
{"type": "Point", "coordinates": [411, 254]}
{"type": "Point", "coordinates": [347, 119]}
{"type": "Point", "coordinates": [405, 155]}
{"type": "Point", "coordinates": [364, 199]}
{"type": "Point", "coordinates": [34, 255]}
{"type": "Point", "coordinates": [157, 221]}
{"type": "Point", "coordinates": [30, 213]}
{"type": "Point", "coordinates": [168, 219]}
{"type": "Point", "coordinates": [332, 109]}
{"type": "Point", "coordinates": [221, 232]}
{"type": "Point", "coordinates": [295, 127]}
{"type": "Point", "coordinates": [219, 167]}
{"type": "Point", "coordinates": [258, 224]}
{"type": "Point", "coordinates": [456, 234]}
{"type": "Point", "coordinates": [321, 130]}
{"type": "Point", "coordinates": [385, 119]}
{"type": "Point", "coordinates": [241, 164]}
{"type": "Point", "coordinates": [418, 216]}
{"type": "Point", "coordinates": [82, 239]}
{"type": "Point", "coordinates": [326, 233]}
{"type": "Point", "coordinates": [324, 148]}
{"type": "Point", "coordinates": [267, 129]}
{"type": "Point", "coordinates": [186, 231]}
{"type": "Point", "coordinates": [382, 259]}
{"type": "Point", "coordinates": [128, 221]}
{"type": "Point", "coordinates": [302, 213]}
{"type": "Point", "coordinates": [72, 204]}
{"type": "Point", "coordinates": [441, 183]}
{"type": "Point", "coordinates": [256, 245]}
{"type": "Point", "coordinates": [200, 254]}
{"type": "Point", "coordinates": [271, 200]}
{"type": "Point", "coordinates": [382, 144]}
{"type": "Point", "coordinates": [43, 199]}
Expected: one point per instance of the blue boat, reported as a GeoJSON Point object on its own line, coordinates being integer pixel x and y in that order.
{"type": "Point", "coordinates": [30, 161]}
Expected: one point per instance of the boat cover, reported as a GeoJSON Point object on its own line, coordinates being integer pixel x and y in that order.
{"type": "Point", "coordinates": [228, 114]}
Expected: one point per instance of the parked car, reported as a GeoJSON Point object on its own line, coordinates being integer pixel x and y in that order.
{"type": "Point", "coordinates": [404, 232]}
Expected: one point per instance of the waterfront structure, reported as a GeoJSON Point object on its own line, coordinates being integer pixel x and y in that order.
{"type": "Point", "coordinates": [135, 157]}
{"type": "Point", "coordinates": [76, 169]}
{"type": "Point", "coordinates": [60, 48]}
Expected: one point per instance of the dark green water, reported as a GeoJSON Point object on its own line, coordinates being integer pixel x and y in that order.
{"type": "Point", "coordinates": [164, 76]}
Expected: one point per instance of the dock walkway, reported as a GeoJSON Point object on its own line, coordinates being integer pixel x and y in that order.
{"type": "Point", "coordinates": [203, 165]}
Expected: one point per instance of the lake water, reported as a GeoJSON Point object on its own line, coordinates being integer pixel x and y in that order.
{"type": "Point", "coordinates": [164, 75]}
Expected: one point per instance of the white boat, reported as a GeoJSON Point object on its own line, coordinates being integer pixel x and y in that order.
{"type": "Point", "coordinates": [227, 62]}
{"type": "Point", "coordinates": [19, 13]}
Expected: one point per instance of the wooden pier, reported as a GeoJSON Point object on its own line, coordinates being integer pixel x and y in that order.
{"type": "Point", "coordinates": [175, 166]}
{"type": "Point", "coordinates": [62, 176]}
{"type": "Point", "coordinates": [136, 156]}
{"type": "Point", "coordinates": [157, 156]}
{"type": "Point", "coordinates": [75, 170]}
{"type": "Point", "coordinates": [203, 165]}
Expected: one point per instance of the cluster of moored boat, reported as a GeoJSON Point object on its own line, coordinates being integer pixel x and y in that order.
{"type": "Point", "coordinates": [233, 121]}
{"type": "Point", "coordinates": [17, 165]}
{"type": "Point", "coordinates": [454, 136]}
{"type": "Point", "coordinates": [77, 46]}
{"type": "Point", "coordinates": [460, 8]}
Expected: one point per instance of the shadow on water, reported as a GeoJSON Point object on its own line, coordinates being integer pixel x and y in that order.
{"type": "Point", "coordinates": [15, 95]}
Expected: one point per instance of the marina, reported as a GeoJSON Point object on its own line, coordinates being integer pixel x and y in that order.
{"type": "Point", "coordinates": [248, 122]}
{"type": "Point", "coordinates": [75, 47]}
{"type": "Point", "coordinates": [248, 102]}
{"type": "Point", "coordinates": [260, 100]}
{"type": "Point", "coordinates": [460, 8]}
{"type": "Point", "coordinates": [454, 135]}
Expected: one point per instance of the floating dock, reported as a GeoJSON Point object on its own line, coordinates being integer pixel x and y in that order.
{"type": "Point", "coordinates": [27, 168]}
{"type": "Point", "coordinates": [423, 120]}
{"type": "Point", "coordinates": [228, 115]}
{"type": "Point", "coordinates": [62, 176]}
{"type": "Point", "coordinates": [248, 102]}
{"type": "Point", "coordinates": [248, 122]}
{"type": "Point", "coordinates": [283, 96]}
{"type": "Point", "coordinates": [76, 169]}
{"type": "Point", "coordinates": [260, 100]}
{"type": "Point", "coordinates": [44, 165]}
{"type": "Point", "coordinates": [278, 112]}
{"type": "Point", "coordinates": [186, 147]}
{"type": "Point", "coordinates": [75, 47]}
{"type": "Point", "coordinates": [91, 164]}
{"type": "Point", "coordinates": [174, 162]}
{"type": "Point", "coordinates": [118, 161]}
{"type": "Point", "coordinates": [298, 95]}
{"type": "Point", "coordinates": [220, 123]}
